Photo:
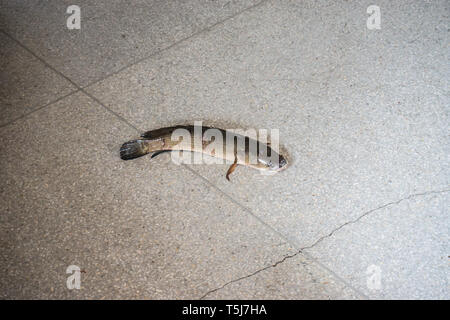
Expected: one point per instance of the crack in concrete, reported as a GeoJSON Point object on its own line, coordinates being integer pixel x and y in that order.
{"type": "Point", "coordinates": [322, 238]}
{"type": "Point", "coordinates": [371, 211]}
{"type": "Point", "coordinates": [252, 274]}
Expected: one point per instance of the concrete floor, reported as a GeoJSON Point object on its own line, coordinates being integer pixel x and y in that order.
{"type": "Point", "coordinates": [361, 213]}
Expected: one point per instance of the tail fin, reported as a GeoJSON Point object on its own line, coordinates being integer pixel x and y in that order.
{"type": "Point", "coordinates": [133, 149]}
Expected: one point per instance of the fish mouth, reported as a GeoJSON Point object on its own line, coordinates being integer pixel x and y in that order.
{"type": "Point", "coordinates": [282, 164]}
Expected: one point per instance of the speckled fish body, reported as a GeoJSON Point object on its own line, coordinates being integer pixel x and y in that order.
{"type": "Point", "coordinates": [237, 149]}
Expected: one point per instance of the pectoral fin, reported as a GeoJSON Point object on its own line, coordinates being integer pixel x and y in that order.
{"type": "Point", "coordinates": [232, 168]}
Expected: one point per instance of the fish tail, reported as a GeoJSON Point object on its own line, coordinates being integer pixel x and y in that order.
{"type": "Point", "coordinates": [133, 149]}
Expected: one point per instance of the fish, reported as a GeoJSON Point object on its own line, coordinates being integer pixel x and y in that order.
{"type": "Point", "coordinates": [226, 145]}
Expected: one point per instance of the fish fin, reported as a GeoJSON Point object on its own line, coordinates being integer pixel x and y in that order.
{"type": "Point", "coordinates": [146, 135]}
{"type": "Point", "coordinates": [157, 153]}
{"type": "Point", "coordinates": [231, 169]}
{"type": "Point", "coordinates": [133, 149]}
{"type": "Point", "coordinates": [152, 134]}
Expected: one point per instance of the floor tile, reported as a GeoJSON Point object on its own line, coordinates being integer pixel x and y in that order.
{"type": "Point", "coordinates": [113, 34]}
{"type": "Point", "coordinates": [26, 83]}
{"type": "Point", "coordinates": [292, 279]}
{"type": "Point", "coordinates": [358, 132]}
{"type": "Point", "coordinates": [362, 114]}
{"type": "Point", "coordinates": [397, 252]}
{"type": "Point", "coordinates": [363, 118]}
{"type": "Point", "coordinates": [132, 227]}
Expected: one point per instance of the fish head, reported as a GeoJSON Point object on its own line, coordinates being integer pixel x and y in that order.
{"type": "Point", "coordinates": [273, 163]}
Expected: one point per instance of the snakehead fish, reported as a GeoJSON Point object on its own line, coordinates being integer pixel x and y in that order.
{"type": "Point", "coordinates": [226, 145]}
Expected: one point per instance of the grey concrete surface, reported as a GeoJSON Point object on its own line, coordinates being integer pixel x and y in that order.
{"type": "Point", "coordinates": [26, 84]}
{"type": "Point", "coordinates": [292, 278]}
{"type": "Point", "coordinates": [411, 252]}
{"type": "Point", "coordinates": [138, 230]}
{"type": "Point", "coordinates": [363, 117]}
{"type": "Point", "coordinates": [114, 33]}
